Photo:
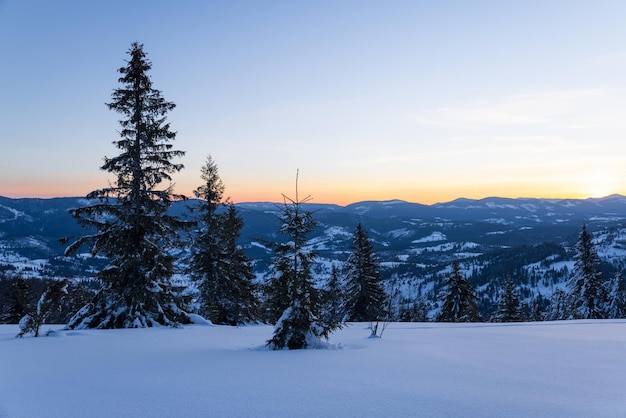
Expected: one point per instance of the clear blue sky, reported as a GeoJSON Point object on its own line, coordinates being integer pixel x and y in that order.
{"type": "Point", "coordinates": [417, 100]}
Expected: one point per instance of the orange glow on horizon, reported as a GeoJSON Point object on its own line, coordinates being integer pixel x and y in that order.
{"type": "Point", "coordinates": [324, 194]}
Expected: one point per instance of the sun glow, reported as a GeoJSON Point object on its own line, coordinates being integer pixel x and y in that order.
{"type": "Point", "coordinates": [599, 184]}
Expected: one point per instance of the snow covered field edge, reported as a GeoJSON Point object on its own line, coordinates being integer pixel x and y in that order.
{"type": "Point", "coordinates": [555, 369]}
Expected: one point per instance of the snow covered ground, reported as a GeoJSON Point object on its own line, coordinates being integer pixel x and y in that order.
{"type": "Point", "coordinates": [549, 369]}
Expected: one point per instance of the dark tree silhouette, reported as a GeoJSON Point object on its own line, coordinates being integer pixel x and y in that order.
{"type": "Point", "coordinates": [459, 301]}
{"type": "Point", "coordinates": [18, 301]}
{"type": "Point", "coordinates": [366, 299]}
{"type": "Point", "coordinates": [130, 217]}
{"type": "Point", "coordinates": [301, 324]}
{"type": "Point", "coordinates": [509, 308]}
{"type": "Point", "coordinates": [585, 291]}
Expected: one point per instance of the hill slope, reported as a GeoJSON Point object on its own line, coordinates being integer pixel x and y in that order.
{"type": "Point", "coordinates": [530, 239]}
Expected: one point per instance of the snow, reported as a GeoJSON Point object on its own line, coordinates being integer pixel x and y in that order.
{"type": "Point", "coordinates": [434, 237]}
{"type": "Point", "coordinates": [399, 233]}
{"type": "Point", "coordinates": [337, 231]}
{"type": "Point", "coordinates": [492, 205]}
{"type": "Point", "coordinates": [15, 212]}
{"type": "Point", "coordinates": [259, 245]}
{"type": "Point", "coordinates": [556, 369]}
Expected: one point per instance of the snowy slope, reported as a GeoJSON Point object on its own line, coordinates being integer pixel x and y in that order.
{"type": "Point", "coordinates": [530, 239]}
{"type": "Point", "coordinates": [552, 369]}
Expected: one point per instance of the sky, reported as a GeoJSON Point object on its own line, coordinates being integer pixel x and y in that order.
{"type": "Point", "coordinates": [424, 101]}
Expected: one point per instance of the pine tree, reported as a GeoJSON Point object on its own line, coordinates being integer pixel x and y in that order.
{"type": "Point", "coordinates": [207, 250]}
{"type": "Point", "coordinates": [334, 297]}
{"type": "Point", "coordinates": [221, 269]}
{"type": "Point", "coordinates": [275, 289]}
{"type": "Point", "coordinates": [18, 301]}
{"type": "Point", "coordinates": [616, 291]}
{"type": "Point", "coordinates": [585, 295]}
{"type": "Point", "coordinates": [535, 309]}
{"type": "Point", "coordinates": [413, 309]}
{"type": "Point", "coordinates": [240, 304]}
{"type": "Point", "coordinates": [133, 229]}
{"type": "Point", "coordinates": [459, 300]}
{"type": "Point", "coordinates": [558, 308]}
{"type": "Point", "coordinates": [366, 299]}
{"type": "Point", "coordinates": [300, 325]}
{"type": "Point", "coordinates": [509, 308]}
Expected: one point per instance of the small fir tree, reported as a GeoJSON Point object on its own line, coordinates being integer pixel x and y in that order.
{"type": "Point", "coordinates": [18, 301]}
{"type": "Point", "coordinates": [509, 308]}
{"type": "Point", "coordinates": [334, 297]}
{"type": "Point", "coordinates": [133, 228]}
{"type": "Point", "coordinates": [301, 324]}
{"type": "Point", "coordinates": [616, 291]}
{"type": "Point", "coordinates": [558, 308]}
{"type": "Point", "coordinates": [414, 310]}
{"type": "Point", "coordinates": [535, 309]}
{"type": "Point", "coordinates": [366, 300]}
{"type": "Point", "coordinates": [585, 291]}
{"type": "Point", "coordinates": [458, 299]}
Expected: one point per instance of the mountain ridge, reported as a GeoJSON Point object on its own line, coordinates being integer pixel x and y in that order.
{"type": "Point", "coordinates": [532, 239]}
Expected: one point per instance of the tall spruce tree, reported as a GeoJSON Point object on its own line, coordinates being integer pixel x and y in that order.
{"type": "Point", "coordinates": [585, 291]}
{"type": "Point", "coordinates": [301, 324]}
{"type": "Point", "coordinates": [219, 266]}
{"type": "Point", "coordinates": [509, 308]}
{"type": "Point", "coordinates": [458, 299]}
{"type": "Point", "coordinates": [130, 217]}
{"type": "Point", "coordinates": [241, 304]}
{"type": "Point", "coordinates": [366, 299]}
{"type": "Point", "coordinates": [207, 249]}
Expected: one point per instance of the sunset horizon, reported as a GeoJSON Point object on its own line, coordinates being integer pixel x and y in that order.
{"type": "Point", "coordinates": [330, 198]}
{"type": "Point", "coordinates": [419, 101]}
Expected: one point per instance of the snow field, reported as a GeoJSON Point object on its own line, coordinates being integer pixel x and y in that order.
{"type": "Point", "coordinates": [545, 369]}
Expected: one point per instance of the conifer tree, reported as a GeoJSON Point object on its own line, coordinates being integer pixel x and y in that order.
{"type": "Point", "coordinates": [275, 289]}
{"type": "Point", "coordinates": [585, 291]}
{"type": "Point", "coordinates": [207, 249]}
{"type": "Point", "coordinates": [133, 229]}
{"type": "Point", "coordinates": [334, 297]}
{"type": "Point", "coordinates": [221, 269]}
{"type": "Point", "coordinates": [509, 308]}
{"type": "Point", "coordinates": [458, 298]}
{"type": "Point", "coordinates": [535, 309]}
{"type": "Point", "coordinates": [558, 308]}
{"type": "Point", "coordinates": [18, 301]}
{"type": "Point", "coordinates": [366, 299]}
{"type": "Point", "coordinates": [240, 304]}
{"type": "Point", "coordinates": [413, 309]}
{"type": "Point", "coordinates": [300, 325]}
{"type": "Point", "coordinates": [616, 290]}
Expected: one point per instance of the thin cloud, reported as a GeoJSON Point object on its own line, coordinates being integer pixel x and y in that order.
{"type": "Point", "coordinates": [521, 109]}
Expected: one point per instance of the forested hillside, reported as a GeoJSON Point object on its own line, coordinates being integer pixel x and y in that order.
{"type": "Point", "coordinates": [532, 240]}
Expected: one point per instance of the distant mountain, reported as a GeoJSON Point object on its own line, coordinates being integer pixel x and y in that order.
{"type": "Point", "coordinates": [530, 239]}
